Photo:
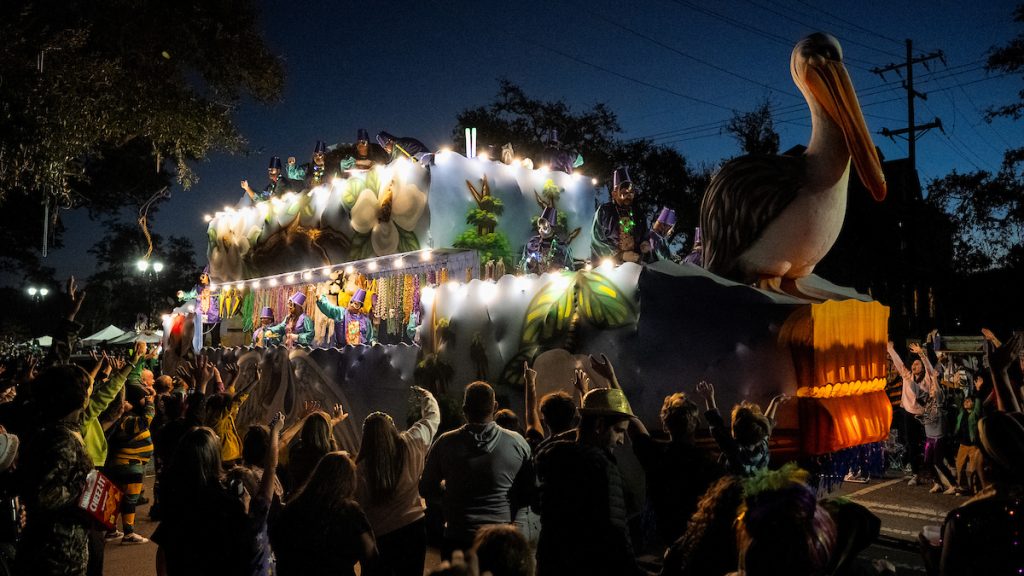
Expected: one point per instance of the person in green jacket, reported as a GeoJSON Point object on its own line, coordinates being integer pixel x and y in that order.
{"type": "Point", "coordinates": [352, 326]}
{"type": "Point", "coordinates": [102, 395]}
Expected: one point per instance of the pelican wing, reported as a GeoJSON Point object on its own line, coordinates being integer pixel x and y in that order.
{"type": "Point", "coordinates": [741, 200]}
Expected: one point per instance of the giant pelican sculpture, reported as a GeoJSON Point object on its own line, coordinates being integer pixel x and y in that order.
{"type": "Point", "coordinates": [771, 219]}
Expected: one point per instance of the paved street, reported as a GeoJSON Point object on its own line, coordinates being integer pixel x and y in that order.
{"type": "Point", "coordinates": [137, 559]}
{"type": "Point", "coordinates": [904, 510]}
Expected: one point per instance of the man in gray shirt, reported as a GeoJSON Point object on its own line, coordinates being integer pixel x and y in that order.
{"type": "Point", "coordinates": [482, 472]}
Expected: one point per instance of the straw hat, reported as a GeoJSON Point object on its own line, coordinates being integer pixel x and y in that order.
{"type": "Point", "coordinates": [606, 402]}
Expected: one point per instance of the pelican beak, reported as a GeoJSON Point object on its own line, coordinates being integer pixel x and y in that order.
{"type": "Point", "coordinates": [831, 86]}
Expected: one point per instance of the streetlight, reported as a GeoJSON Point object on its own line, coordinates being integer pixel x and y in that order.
{"type": "Point", "coordinates": [151, 270]}
{"type": "Point", "coordinates": [37, 293]}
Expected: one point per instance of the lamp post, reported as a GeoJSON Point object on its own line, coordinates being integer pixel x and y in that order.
{"type": "Point", "coordinates": [151, 271]}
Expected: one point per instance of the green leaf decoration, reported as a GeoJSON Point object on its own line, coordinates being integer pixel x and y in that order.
{"type": "Point", "coordinates": [373, 182]}
{"type": "Point", "coordinates": [549, 312]}
{"type": "Point", "coordinates": [512, 374]}
{"type": "Point", "coordinates": [602, 303]}
{"type": "Point", "coordinates": [491, 204]}
{"type": "Point", "coordinates": [551, 191]}
{"type": "Point", "coordinates": [407, 240]}
{"type": "Point", "coordinates": [360, 247]}
{"type": "Point", "coordinates": [355, 186]}
{"type": "Point", "coordinates": [478, 217]}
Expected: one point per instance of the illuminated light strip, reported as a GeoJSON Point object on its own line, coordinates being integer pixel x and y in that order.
{"type": "Point", "coordinates": [379, 265]}
{"type": "Point", "coordinates": [842, 389]}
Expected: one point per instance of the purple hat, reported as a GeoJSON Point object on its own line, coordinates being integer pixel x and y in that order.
{"type": "Point", "coordinates": [359, 296]}
{"type": "Point", "coordinates": [620, 176]}
{"type": "Point", "coordinates": [320, 147]}
{"type": "Point", "coordinates": [667, 216]}
{"type": "Point", "coordinates": [267, 312]}
{"type": "Point", "coordinates": [275, 162]}
{"type": "Point", "coordinates": [383, 138]}
{"type": "Point", "coordinates": [362, 135]}
{"type": "Point", "coordinates": [696, 236]}
{"type": "Point", "coordinates": [299, 299]}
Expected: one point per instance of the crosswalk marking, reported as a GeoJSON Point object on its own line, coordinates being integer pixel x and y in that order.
{"type": "Point", "coordinates": [912, 511]}
{"type": "Point", "coordinates": [872, 488]}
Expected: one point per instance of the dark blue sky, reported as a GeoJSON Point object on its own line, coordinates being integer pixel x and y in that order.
{"type": "Point", "coordinates": [673, 70]}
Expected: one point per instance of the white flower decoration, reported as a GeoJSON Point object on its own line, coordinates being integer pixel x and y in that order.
{"type": "Point", "coordinates": [399, 205]}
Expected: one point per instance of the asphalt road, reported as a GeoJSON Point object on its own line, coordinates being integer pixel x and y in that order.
{"type": "Point", "coordinates": [904, 511]}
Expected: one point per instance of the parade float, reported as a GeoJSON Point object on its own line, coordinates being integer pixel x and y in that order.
{"type": "Point", "coordinates": [435, 252]}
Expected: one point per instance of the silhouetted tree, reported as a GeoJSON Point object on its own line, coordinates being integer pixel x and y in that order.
{"type": "Point", "coordinates": [755, 130]}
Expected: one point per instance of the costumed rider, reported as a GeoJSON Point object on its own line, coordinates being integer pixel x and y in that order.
{"type": "Point", "coordinates": [558, 158]}
{"type": "Point", "coordinates": [266, 319]}
{"type": "Point", "coordinates": [696, 255]}
{"type": "Point", "coordinates": [352, 324]}
{"type": "Point", "coordinates": [296, 329]}
{"type": "Point", "coordinates": [410, 148]}
{"type": "Point", "coordinates": [276, 185]}
{"type": "Point", "coordinates": [618, 233]}
{"type": "Point", "coordinates": [658, 237]}
{"type": "Point", "coordinates": [366, 154]}
{"type": "Point", "coordinates": [313, 173]}
{"type": "Point", "coordinates": [545, 251]}
{"type": "Point", "coordinates": [206, 309]}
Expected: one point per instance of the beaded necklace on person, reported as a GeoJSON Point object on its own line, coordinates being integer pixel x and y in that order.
{"type": "Point", "coordinates": [318, 174]}
{"type": "Point", "coordinates": [626, 226]}
{"type": "Point", "coordinates": [550, 256]}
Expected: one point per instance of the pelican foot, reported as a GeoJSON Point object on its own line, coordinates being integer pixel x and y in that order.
{"type": "Point", "coordinates": [817, 289]}
{"type": "Point", "coordinates": [810, 288]}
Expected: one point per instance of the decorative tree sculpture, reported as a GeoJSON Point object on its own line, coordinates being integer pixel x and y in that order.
{"type": "Point", "coordinates": [483, 238]}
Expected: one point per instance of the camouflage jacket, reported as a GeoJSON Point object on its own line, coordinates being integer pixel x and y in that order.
{"type": "Point", "coordinates": [53, 470]}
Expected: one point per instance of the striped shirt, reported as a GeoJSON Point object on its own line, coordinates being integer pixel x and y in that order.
{"type": "Point", "coordinates": [131, 442]}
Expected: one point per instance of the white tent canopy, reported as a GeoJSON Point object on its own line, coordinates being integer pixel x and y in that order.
{"type": "Point", "coordinates": [109, 333]}
{"type": "Point", "coordinates": [42, 342]}
{"type": "Point", "coordinates": [132, 337]}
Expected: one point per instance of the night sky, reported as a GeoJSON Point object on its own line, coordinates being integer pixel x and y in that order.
{"type": "Point", "coordinates": [673, 70]}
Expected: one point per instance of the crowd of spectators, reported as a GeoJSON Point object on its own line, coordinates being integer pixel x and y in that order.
{"type": "Point", "coordinates": [286, 498]}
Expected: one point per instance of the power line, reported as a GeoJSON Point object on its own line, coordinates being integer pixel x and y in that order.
{"type": "Point", "coordinates": [872, 91]}
{"type": "Point", "coordinates": [629, 78]}
{"type": "Point", "coordinates": [718, 126]}
{"type": "Point", "coordinates": [753, 29]}
{"type": "Point", "coordinates": [688, 56]}
{"type": "Point", "coordinates": [814, 27]}
{"type": "Point", "coordinates": [777, 111]}
{"type": "Point", "coordinates": [956, 110]}
{"type": "Point", "coordinates": [987, 123]}
{"type": "Point", "coordinates": [853, 24]}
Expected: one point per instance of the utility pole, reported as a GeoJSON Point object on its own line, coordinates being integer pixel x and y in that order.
{"type": "Point", "coordinates": [909, 289]}
{"type": "Point", "coordinates": [913, 130]}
